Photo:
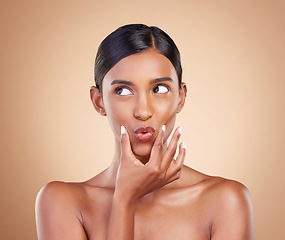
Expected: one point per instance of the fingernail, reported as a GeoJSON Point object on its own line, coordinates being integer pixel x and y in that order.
{"type": "Point", "coordinates": [123, 130]}
{"type": "Point", "coordinates": [180, 130]}
{"type": "Point", "coordinates": [163, 128]}
{"type": "Point", "coordinates": [184, 145]}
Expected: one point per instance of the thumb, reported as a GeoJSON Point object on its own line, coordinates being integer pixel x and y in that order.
{"type": "Point", "coordinates": [125, 144]}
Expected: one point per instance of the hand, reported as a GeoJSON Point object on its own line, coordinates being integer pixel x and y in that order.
{"type": "Point", "coordinates": [135, 179]}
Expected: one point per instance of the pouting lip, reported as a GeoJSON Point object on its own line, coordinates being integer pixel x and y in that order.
{"type": "Point", "coordinates": [144, 130]}
{"type": "Point", "coordinates": [144, 134]}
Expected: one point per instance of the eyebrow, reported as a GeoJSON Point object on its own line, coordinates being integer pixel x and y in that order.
{"type": "Point", "coordinates": [122, 82]}
{"type": "Point", "coordinates": [157, 80]}
{"type": "Point", "coordinates": [163, 79]}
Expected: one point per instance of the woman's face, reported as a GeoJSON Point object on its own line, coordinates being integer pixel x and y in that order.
{"type": "Point", "coordinates": [141, 92]}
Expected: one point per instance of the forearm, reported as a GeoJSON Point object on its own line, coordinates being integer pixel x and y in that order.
{"type": "Point", "coordinates": [122, 218]}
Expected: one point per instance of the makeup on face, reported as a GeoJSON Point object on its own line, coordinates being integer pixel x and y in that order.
{"type": "Point", "coordinates": [144, 134]}
{"type": "Point", "coordinates": [141, 92]}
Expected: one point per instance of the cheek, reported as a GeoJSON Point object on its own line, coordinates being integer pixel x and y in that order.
{"type": "Point", "coordinates": [117, 113]}
{"type": "Point", "coordinates": [166, 113]}
{"type": "Point", "coordinates": [114, 108]}
{"type": "Point", "coordinates": [167, 107]}
{"type": "Point", "coordinates": [120, 111]}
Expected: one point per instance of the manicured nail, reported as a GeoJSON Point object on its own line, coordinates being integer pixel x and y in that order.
{"type": "Point", "coordinates": [123, 130]}
{"type": "Point", "coordinates": [163, 128]}
{"type": "Point", "coordinates": [180, 130]}
{"type": "Point", "coordinates": [183, 145]}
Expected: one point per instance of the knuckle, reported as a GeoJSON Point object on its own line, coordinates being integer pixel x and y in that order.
{"type": "Point", "coordinates": [159, 145]}
{"type": "Point", "coordinates": [173, 151]}
{"type": "Point", "coordinates": [171, 154]}
{"type": "Point", "coordinates": [161, 176]}
{"type": "Point", "coordinates": [172, 148]}
{"type": "Point", "coordinates": [154, 170]}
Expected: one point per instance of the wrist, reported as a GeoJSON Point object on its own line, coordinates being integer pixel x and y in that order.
{"type": "Point", "coordinates": [124, 200]}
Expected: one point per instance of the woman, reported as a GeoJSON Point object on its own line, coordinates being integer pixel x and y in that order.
{"type": "Point", "coordinates": [145, 193]}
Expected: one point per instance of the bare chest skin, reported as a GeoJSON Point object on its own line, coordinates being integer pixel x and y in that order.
{"type": "Point", "coordinates": [171, 213]}
{"type": "Point", "coordinates": [196, 207]}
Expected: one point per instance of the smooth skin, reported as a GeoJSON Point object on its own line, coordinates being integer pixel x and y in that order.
{"type": "Point", "coordinates": [146, 193]}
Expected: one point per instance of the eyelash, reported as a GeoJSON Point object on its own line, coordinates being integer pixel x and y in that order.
{"type": "Point", "coordinates": [122, 87]}
{"type": "Point", "coordinates": [164, 85]}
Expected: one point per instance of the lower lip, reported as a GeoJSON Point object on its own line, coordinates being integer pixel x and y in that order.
{"type": "Point", "coordinates": [145, 137]}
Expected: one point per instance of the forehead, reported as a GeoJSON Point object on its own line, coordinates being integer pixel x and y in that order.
{"type": "Point", "coordinates": [146, 65]}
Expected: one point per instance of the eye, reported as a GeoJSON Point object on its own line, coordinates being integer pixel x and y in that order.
{"type": "Point", "coordinates": [161, 89]}
{"type": "Point", "coordinates": [123, 91]}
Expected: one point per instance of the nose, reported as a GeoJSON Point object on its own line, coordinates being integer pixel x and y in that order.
{"type": "Point", "coordinates": [143, 108]}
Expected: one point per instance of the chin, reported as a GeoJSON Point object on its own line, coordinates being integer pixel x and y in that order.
{"type": "Point", "coordinates": [142, 151]}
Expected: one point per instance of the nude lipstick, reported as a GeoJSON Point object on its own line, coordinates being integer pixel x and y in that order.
{"type": "Point", "coordinates": [144, 134]}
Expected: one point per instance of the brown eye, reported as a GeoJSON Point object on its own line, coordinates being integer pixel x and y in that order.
{"type": "Point", "coordinates": [160, 89]}
{"type": "Point", "coordinates": [122, 91]}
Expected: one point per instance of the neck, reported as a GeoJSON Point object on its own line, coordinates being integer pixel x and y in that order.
{"type": "Point", "coordinates": [107, 178]}
{"type": "Point", "coordinates": [111, 172]}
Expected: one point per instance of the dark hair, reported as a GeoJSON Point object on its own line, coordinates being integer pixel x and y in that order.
{"type": "Point", "coordinates": [131, 39]}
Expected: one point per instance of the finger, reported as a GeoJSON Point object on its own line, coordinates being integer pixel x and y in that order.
{"type": "Point", "coordinates": [125, 144]}
{"type": "Point", "coordinates": [174, 177]}
{"type": "Point", "coordinates": [156, 152]}
{"type": "Point", "coordinates": [171, 149]}
{"type": "Point", "coordinates": [174, 170]}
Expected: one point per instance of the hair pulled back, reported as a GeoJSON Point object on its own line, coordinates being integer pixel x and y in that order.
{"type": "Point", "coordinates": [131, 39]}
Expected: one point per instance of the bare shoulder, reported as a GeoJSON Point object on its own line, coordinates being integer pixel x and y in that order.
{"type": "Point", "coordinates": [216, 189]}
{"type": "Point", "coordinates": [225, 205]}
{"type": "Point", "coordinates": [58, 192]}
{"type": "Point", "coordinates": [58, 215]}
{"type": "Point", "coordinates": [226, 190]}
{"type": "Point", "coordinates": [230, 209]}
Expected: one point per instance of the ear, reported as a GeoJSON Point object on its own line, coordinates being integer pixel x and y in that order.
{"type": "Point", "coordinates": [97, 100]}
{"type": "Point", "coordinates": [182, 96]}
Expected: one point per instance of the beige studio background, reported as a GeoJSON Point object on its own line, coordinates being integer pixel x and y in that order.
{"type": "Point", "coordinates": [233, 60]}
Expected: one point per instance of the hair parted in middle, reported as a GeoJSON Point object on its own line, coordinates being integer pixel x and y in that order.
{"type": "Point", "coordinates": [131, 39]}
